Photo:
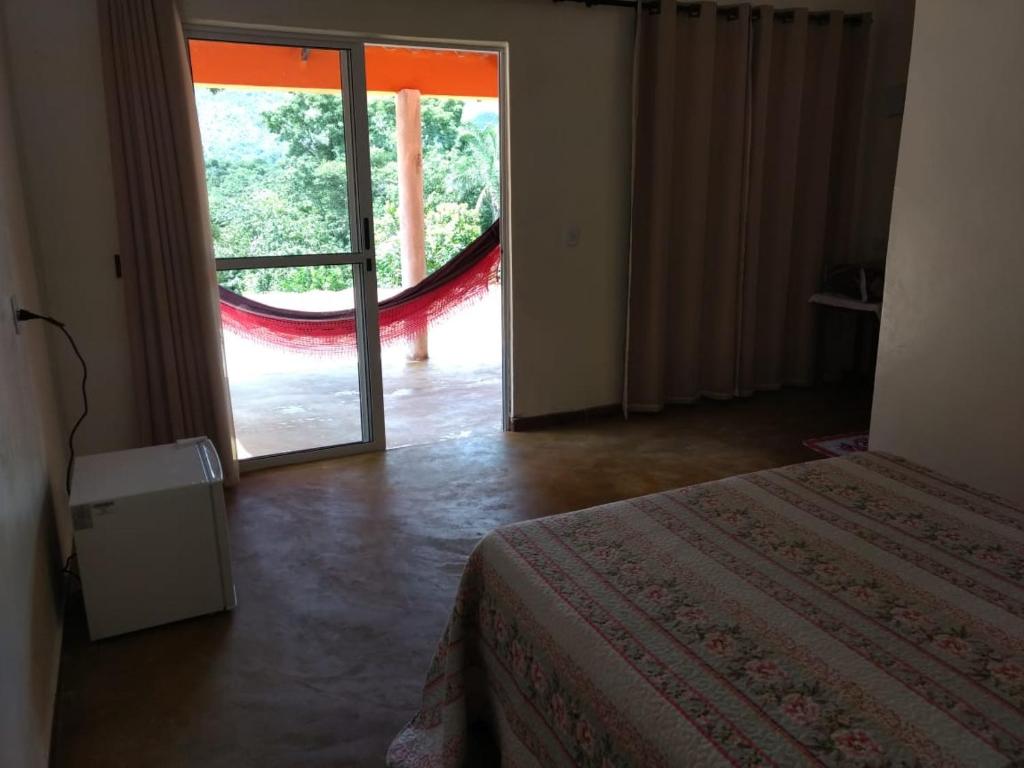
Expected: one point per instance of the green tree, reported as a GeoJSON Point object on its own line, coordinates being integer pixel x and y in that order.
{"type": "Point", "coordinates": [475, 165]}
{"type": "Point", "coordinates": [292, 197]}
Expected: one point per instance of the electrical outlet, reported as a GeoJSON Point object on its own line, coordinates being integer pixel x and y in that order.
{"type": "Point", "coordinates": [14, 315]}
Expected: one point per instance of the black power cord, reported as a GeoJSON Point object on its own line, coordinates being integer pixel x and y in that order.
{"type": "Point", "coordinates": [23, 316]}
{"type": "Point", "coordinates": [67, 569]}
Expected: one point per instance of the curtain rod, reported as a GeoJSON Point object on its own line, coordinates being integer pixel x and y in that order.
{"type": "Point", "coordinates": [729, 12]}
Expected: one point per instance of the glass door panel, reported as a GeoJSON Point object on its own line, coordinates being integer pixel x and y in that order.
{"type": "Point", "coordinates": [273, 120]}
{"type": "Point", "coordinates": [291, 397]}
{"type": "Point", "coordinates": [285, 148]}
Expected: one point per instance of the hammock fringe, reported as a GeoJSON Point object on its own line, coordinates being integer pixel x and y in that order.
{"type": "Point", "coordinates": [462, 280]}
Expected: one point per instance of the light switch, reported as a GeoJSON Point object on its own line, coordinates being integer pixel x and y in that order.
{"type": "Point", "coordinates": [572, 235]}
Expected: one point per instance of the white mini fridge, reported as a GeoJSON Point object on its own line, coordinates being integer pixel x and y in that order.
{"type": "Point", "coordinates": [151, 536]}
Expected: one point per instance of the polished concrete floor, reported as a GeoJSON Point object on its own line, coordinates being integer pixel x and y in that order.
{"type": "Point", "coordinates": [346, 570]}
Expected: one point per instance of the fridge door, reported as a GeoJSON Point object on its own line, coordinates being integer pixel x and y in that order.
{"type": "Point", "coordinates": [151, 559]}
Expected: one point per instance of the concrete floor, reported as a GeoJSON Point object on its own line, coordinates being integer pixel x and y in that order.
{"type": "Point", "coordinates": [284, 401]}
{"type": "Point", "coordinates": [346, 570]}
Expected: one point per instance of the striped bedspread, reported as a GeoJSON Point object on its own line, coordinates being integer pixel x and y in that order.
{"type": "Point", "coordinates": [853, 611]}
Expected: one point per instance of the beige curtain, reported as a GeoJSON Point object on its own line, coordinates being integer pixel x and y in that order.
{"type": "Point", "coordinates": [164, 228]}
{"type": "Point", "coordinates": [747, 141]}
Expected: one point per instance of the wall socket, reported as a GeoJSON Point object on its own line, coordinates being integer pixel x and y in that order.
{"type": "Point", "coordinates": [14, 315]}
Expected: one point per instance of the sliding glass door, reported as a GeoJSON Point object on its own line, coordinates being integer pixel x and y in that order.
{"type": "Point", "coordinates": [284, 130]}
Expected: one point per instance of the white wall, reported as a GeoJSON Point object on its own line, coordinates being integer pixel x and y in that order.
{"type": "Point", "coordinates": [949, 391]}
{"type": "Point", "coordinates": [61, 113]}
{"type": "Point", "coordinates": [33, 539]}
{"type": "Point", "coordinates": [570, 101]}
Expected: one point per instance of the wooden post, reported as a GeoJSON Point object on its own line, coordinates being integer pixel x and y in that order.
{"type": "Point", "coordinates": [410, 201]}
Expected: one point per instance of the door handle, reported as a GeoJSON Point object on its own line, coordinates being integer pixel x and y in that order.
{"type": "Point", "coordinates": [367, 234]}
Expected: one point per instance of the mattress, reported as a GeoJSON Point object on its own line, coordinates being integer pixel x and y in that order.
{"type": "Point", "coordinates": [851, 611]}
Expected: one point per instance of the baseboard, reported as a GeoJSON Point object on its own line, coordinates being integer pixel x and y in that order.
{"type": "Point", "coordinates": [550, 420]}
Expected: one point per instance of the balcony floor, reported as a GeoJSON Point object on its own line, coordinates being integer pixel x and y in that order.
{"type": "Point", "coordinates": [283, 401]}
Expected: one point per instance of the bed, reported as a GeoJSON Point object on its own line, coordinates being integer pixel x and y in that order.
{"type": "Point", "coordinates": [851, 611]}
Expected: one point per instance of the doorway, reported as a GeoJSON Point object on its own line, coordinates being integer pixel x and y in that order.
{"type": "Point", "coordinates": [304, 236]}
{"type": "Point", "coordinates": [435, 121]}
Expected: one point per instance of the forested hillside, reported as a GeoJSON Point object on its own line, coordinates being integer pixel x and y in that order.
{"type": "Point", "coordinates": [277, 182]}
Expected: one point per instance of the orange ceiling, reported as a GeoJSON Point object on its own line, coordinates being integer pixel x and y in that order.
{"type": "Point", "coordinates": [432, 71]}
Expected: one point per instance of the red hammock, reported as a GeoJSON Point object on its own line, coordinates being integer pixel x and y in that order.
{"type": "Point", "coordinates": [466, 277]}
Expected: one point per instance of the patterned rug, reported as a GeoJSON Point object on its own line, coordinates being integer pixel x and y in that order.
{"type": "Point", "coordinates": [838, 445]}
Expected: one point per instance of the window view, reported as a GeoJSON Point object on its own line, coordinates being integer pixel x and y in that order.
{"type": "Point", "coordinates": [277, 180]}
{"type": "Point", "coordinates": [278, 170]}
{"type": "Point", "coordinates": [460, 178]}
{"type": "Point", "coordinates": [275, 171]}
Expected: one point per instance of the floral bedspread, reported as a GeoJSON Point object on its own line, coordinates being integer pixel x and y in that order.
{"type": "Point", "coordinates": [852, 611]}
